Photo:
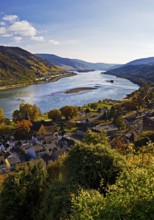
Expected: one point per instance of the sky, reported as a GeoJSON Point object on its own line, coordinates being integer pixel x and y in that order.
{"type": "Point", "coordinates": [109, 31]}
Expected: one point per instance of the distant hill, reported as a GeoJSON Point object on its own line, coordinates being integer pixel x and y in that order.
{"type": "Point", "coordinates": [142, 61]}
{"type": "Point", "coordinates": [18, 65]}
{"type": "Point", "coordinates": [74, 64]}
{"type": "Point", "coordinates": [140, 71]}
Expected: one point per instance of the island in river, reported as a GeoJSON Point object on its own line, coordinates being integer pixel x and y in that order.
{"type": "Point", "coordinates": [81, 89]}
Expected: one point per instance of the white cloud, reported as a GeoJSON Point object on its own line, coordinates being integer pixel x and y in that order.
{"type": "Point", "coordinates": [23, 28]}
{"type": "Point", "coordinates": [54, 42]}
{"type": "Point", "coordinates": [10, 18]}
{"type": "Point", "coordinates": [38, 38]}
{"type": "Point", "coordinates": [17, 39]}
{"type": "Point", "coordinates": [18, 29]}
{"type": "Point", "coordinates": [3, 31]}
{"type": "Point", "coordinates": [2, 23]}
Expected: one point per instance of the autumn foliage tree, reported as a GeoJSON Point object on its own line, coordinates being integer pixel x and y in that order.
{"type": "Point", "coordinates": [23, 129]}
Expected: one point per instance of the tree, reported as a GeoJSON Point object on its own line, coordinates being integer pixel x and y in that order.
{"type": "Point", "coordinates": [69, 111]}
{"type": "Point", "coordinates": [57, 202]}
{"type": "Point", "coordinates": [119, 122]}
{"type": "Point", "coordinates": [2, 116]}
{"type": "Point", "coordinates": [132, 197]}
{"type": "Point", "coordinates": [93, 105]}
{"type": "Point", "coordinates": [21, 194]}
{"type": "Point", "coordinates": [88, 165]}
{"type": "Point", "coordinates": [26, 111]}
{"type": "Point", "coordinates": [96, 138]}
{"type": "Point", "coordinates": [23, 129]}
{"type": "Point", "coordinates": [54, 114]}
{"type": "Point", "coordinates": [86, 204]}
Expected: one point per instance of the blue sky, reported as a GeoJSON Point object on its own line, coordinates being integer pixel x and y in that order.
{"type": "Point", "coordinates": [111, 31]}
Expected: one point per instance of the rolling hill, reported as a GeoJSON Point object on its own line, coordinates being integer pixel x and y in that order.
{"type": "Point", "coordinates": [18, 65]}
{"type": "Point", "coordinates": [74, 64]}
{"type": "Point", "coordinates": [142, 61]}
{"type": "Point", "coordinates": [140, 71]}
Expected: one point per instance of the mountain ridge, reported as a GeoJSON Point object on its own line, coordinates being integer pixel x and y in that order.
{"type": "Point", "coordinates": [74, 64]}
{"type": "Point", "coordinates": [140, 71]}
{"type": "Point", "coordinates": [142, 61]}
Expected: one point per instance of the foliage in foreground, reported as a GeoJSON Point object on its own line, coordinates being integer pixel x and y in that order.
{"type": "Point", "coordinates": [131, 198]}
{"type": "Point", "coordinates": [87, 165]}
{"type": "Point", "coordinates": [21, 194]}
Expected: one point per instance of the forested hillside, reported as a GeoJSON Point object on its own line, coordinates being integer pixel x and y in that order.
{"type": "Point", "coordinates": [18, 65]}
{"type": "Point", "coordinates": [138, 73]}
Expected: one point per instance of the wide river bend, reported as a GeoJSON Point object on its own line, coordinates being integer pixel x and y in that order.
{"type": "Point", "coordinates": [52, 95]}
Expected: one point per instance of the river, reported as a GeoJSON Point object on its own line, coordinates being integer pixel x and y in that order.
{"type": "Point", "coordinates": [52, 95]}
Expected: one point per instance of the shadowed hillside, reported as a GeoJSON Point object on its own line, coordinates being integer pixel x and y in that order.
{"type": "Point", "coordinates": [140, 71]}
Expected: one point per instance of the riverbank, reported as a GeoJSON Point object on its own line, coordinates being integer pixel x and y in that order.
{"type": "Point", "coordinates": [75, 90]}
{"type": "Point", "coordinates": [20, 85]}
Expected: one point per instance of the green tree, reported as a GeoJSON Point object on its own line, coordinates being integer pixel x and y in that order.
{"type": "Point", "coordinates": [93, 105]}
{"type": "Point", "coordinates": [96, 138]}
{"type": "Point", "coordinates": [21, 194]}
{"type": "Point", "coordinates": [132, 197]}
{"type": "Point", "coordinates": [69, 111]}
{"type": "Point", "coordinates": [86, 204]}
{"type": "Point", "coordinates": [119, 122]}
{"type": "Point", "coordinates": [54, 114]}
{"type": "Point", "coordinates": [88, 165]}
{"type": "Point", "coordinates": [57, 202]}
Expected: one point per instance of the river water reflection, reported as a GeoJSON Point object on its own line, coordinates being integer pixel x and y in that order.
{"type": "Point", "coordinates": [52, 95]}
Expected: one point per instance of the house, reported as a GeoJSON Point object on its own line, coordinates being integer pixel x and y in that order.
{"type": "Point", "coordinates": [12, 161]}
{"type": "Point", "coordinates": [49, 147]}
{"type": "Point", "coordinates": [79, 135]}
{"type": "Point", "coordinates": [44, 127]}
{"type": "Point", "coordinates": [2, 163]}
{"type": "Point", "coordinates": [70, 142]}
{"type": "Point", "coordinates": [111, 130]}
{"type": "Point", "coordinates": [148, 123]}
{"type": "Point", "coordinates": [36, 151]}
{"type": "Point", "coordinates": [83, 126]}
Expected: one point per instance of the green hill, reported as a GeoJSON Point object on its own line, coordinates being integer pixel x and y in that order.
{"type": "Point", "coordinates": [140, 74]}
{"type": "Point", "coordinates": [18, 66]}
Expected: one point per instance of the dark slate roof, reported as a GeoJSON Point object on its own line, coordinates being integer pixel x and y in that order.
{"type": "Point", "coordinates": [21, 154]}
{"type": "Point", "coordinates": [47, 123]}
{"type": "Point", "coordinates": [37, 124]}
